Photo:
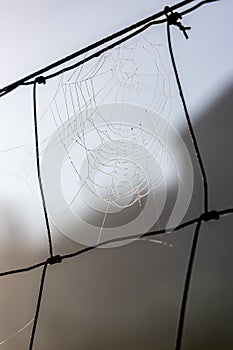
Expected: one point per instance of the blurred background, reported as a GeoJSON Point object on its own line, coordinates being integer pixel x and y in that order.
{"type": "Point", "coordinates": [126, 297]}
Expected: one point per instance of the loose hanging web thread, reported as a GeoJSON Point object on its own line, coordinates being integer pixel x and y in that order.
{"type": "Point", "coordinates": [17, 332]}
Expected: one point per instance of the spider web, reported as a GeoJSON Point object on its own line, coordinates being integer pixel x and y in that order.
{"type": "Point", "coordinates": [109, 118]}
{"type": "Point", "coordinates": [83, 116]}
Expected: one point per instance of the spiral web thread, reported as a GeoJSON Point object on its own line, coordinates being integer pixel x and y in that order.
{"type": "Point", "coordinates": [132, 73]}
{"type": "Point", "coordinates": [109, 81]}
{"type": "Point", "coordinates": [69, 88]}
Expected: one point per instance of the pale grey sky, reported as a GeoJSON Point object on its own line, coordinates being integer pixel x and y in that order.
{"type": "Point", "coordinates": [34, 34]}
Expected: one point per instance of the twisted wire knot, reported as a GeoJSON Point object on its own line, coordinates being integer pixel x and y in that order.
{"type": "Point", "coordinates": [211, 215]}
{"type": "Point", "coordinates": [56, 259]}
{"type": "Point", "coordinates": [174, 18]}
{"type": "Point", "coordinates": [40, 80]}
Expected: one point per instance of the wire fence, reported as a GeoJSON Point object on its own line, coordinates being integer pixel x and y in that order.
{"type": "Point", "coordinates": [171, 18]}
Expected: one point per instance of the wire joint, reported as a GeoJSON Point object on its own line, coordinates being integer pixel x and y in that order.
{"type": "Point", "coordinates": [55, 259]}
{"type": "Point", "coordinates": [211, 215]}
{"type": "Point", "coordinates": [40, 80]}
{"type": "Point", "coordinates": [174, 18]}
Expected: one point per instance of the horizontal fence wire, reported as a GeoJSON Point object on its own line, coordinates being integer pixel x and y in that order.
{"type": "Point", "coordinates": [5, 90]}
{"type": "Point", "coordinates": [171, 18]}
{"type": "Point", "coordinates": [60, 258]}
